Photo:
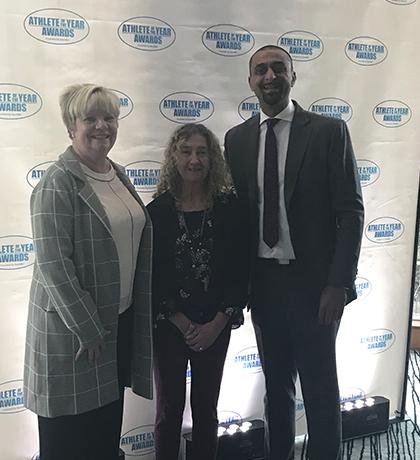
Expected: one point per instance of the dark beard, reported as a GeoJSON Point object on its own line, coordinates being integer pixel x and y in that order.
{"type": "Point", "coordinates": [273, 98]}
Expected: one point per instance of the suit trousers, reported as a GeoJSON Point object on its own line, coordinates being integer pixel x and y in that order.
{"type": "Point", "coordinates": [92, 435]}
{"type": "Point", "coordinates": [290, 341]}
{"type": "Point", "coordinates": [171, 355]}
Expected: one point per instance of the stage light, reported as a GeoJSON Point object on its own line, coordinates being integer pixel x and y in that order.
{"type": "Point", "coordinates": [237, 441]}
{"type": "Point", "coordinates": [348, 406]}
{"type": "Point", "coordinates": [359, 404]}
{"type": "Point", "coordinates": [370, 402]}
{"type": "Point", "coordinates": [364, 417]}
{"type": "Point", "coordinates": [232, 429]}
{"type": "Point", "coordinates": [245, 427]}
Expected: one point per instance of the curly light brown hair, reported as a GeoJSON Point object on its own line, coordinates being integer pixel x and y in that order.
{"type": "Point", "coordinates": [218, 180]}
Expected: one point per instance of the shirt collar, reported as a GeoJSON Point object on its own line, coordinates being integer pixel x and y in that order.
{"type": "Point", "coordinates": [286, 114]}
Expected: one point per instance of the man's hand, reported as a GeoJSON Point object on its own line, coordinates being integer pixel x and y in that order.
{"type": "Point", "coordinates": [93, 351]}
{"type": "Point", "coordinates": [331, 305]}
{"type": "Point", "coordinates": [204, 335]}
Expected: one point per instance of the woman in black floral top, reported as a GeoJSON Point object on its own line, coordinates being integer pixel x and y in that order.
{"type": "Point", "coordinates": [200, 262]}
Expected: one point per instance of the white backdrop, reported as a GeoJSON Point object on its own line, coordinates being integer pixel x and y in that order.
{"type": "Point", "coordinates": [186, 60]}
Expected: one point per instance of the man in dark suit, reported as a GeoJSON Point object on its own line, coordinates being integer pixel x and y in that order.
{"type": "Point", "coordinates": [296, 176]}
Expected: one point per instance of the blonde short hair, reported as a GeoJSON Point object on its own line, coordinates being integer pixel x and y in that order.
{"type": "Point", "coordinates": [77, 100]}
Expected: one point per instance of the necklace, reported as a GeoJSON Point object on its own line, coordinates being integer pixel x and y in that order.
{"type": "Point", "coordinates": [193, 254]}
{"type": "Point", "coordinates": [184, 226]}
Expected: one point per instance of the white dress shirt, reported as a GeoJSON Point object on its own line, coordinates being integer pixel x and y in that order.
{"type": "Point", "coordinates": [283, 250]}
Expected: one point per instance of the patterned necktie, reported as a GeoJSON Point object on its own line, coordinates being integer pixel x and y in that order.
{"type": "Point", "coordinates": [271, 187]}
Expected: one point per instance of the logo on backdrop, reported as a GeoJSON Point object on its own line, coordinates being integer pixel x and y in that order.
{"type": "Point", "coordinates": [146, 33]}
{"type": "Point", "coordinates": [126, 104]}
{"type": "Point", "coordinates": [369, 172]}
{"type": "Point", "coordinates": [16, 251]}
{"type": "Point", "coordinates": [301, 45]}
{"type": "Point", "coordinates": [351, 393]}
{"type": "Point", "coordinates": [248, 360]}
{"type": "Point", "coordinates": [18, 101]}
{"type": "Point", "coordinates": [227, 416]}
{"type": "Point", "coordinates": [144, 175]}
{"type": "Point", "coordinates": [363, 287]}
{"type": "Point", "coordinates": [11, 397]}
{"type": "Point", "coordinates": [34, 175]}
{"type": "Point", "coordinates": [377, 340]}
{"type": "Point", "coordinates": [228, 40]}
{"type": "Point", "coordinates": [366, 50]}
{"type": "Point", "coordinates": [249, 107]}
{"type": "Point", "coordinates": [138, 441]}
{"type": "Point", "coordinates": [186, 107]}
{"type": "Point", "coordinates": [332, 107]}
{"type": "Point", "coordinates": [384, 230]}
{"type": "Point", "coordinates": [401, 2]}
{"type": "Point", "coordinates": [299, 409]}
{"type": "Point", "coordinates": [56, 26]}
{"type": "Point", "coordinates": [392, 114]}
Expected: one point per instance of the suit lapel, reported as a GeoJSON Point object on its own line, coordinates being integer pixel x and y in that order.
{"type": "Point", "coordinates": [86, 192]}
{"type": "Point", "coordinates": [300, 133]}
{"type": "Point", "coordinates": [250, 141]}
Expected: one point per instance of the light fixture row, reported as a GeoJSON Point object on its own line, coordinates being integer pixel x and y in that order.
{"type": "Point", "coordinates": [233, 428]}
{"type": "Point", "coordinates": [357, 404]}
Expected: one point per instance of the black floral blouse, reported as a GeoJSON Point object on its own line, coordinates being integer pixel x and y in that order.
{"type": "Point", "coordinates": [193, 249]}
{"type": "Point", "coordinates": [199, 260]}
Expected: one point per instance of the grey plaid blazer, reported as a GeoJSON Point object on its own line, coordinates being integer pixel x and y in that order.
{"type": "Point", "coordinates": [74, 297]}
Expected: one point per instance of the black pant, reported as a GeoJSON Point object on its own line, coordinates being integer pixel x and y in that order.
{"type": "Point", "coordinates": [171, 358]}
{"type": "Point", "coordinates": [88, 436]}
{"type": "Point", "coordinates": [290, 340]}
{"type": "Point", "coordinates": [93, 435]}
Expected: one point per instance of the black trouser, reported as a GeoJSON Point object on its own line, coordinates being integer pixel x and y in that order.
{"type": "Point", "coordinates": [290, 340]}
{"type": "Point", "coordinates": [171, 358]}
{"type": "Point", "coordinates": [92, 435]}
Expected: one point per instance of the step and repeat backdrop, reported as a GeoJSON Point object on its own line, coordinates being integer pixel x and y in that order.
{"type": "Point", "coordinates": [178, 61]}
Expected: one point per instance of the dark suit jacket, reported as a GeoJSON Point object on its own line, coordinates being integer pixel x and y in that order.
{"type": "Point", "coordinates": [322, 194]}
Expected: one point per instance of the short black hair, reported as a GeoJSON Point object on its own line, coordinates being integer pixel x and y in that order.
{"type": "Point", "coordinates": [268, 47]}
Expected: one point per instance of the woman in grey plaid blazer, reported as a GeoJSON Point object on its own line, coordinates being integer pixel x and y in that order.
{"type": "Point", "coordinates": [89, 322]}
